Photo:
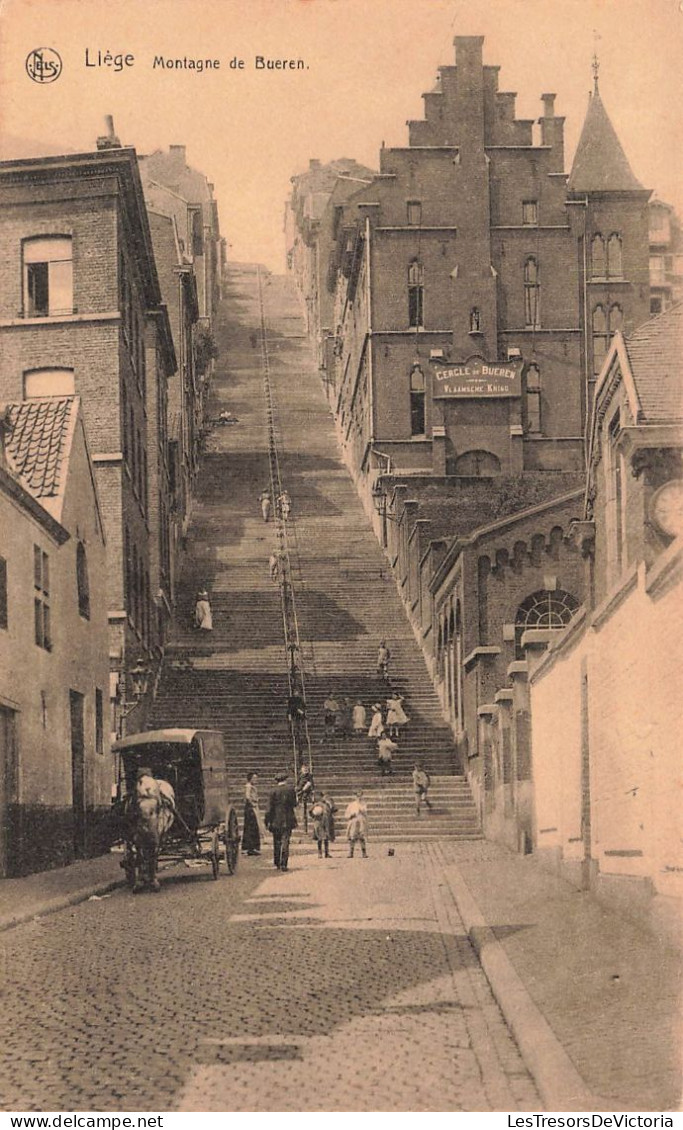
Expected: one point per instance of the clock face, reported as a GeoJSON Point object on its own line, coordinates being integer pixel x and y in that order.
{"type": "Point", "coordinates": [666, 508]}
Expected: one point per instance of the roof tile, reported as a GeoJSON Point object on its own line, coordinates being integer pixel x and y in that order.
{"type": "Point", "coordinates": [655, 353]}
{"type": "Point", "coordinates": [36, 443]}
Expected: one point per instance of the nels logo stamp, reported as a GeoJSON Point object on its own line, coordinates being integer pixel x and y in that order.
{"type": "Point", "coordinates": [43, 65]}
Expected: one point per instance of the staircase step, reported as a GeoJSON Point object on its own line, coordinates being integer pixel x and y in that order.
{"type": "Point", "coordinates": [235, 677]}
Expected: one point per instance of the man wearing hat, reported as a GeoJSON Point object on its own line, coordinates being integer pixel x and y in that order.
{"type": "Point", "coordinates": [280, 818]}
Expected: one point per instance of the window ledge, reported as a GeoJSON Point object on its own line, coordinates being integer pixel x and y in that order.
{"type": "Point", "coordinates": [57, 319]}
{"type": "Point", "coordinates": [479, 653]}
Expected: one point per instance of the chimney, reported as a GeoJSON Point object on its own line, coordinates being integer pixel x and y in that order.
{"type": "Point", "coordinates": [108, 140]}
{"type": "Point", "coordinates": [177, 152]}
{"type": "Point", "coordinates": [548, 101]}
{"type": "Point", "coordinates": [313, 163]}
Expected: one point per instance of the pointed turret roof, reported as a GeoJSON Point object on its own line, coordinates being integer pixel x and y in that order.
{"type": "Point", "coordinates": [600, 164]}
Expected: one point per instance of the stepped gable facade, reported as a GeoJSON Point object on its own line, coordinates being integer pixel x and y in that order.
{"type": "Point", "coordinates": [616, 668]}
{"type": "Point", "coordinates": [81, 312]}
{"type": "Point", "coordinates": [477, 286]}
{"type": "Point", "coordinates": [54, 668]}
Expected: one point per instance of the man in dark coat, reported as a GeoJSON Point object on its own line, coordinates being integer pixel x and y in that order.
{"type": "Point", "coordinates": [280, 818]}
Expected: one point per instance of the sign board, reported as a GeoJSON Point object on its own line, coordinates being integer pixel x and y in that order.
{"type": "Point", "coordinates": [477, 377]}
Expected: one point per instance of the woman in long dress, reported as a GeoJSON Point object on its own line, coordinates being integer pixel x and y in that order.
{"type": "Point", "coordinates": [202, 612]}
{"type": "Point", "coordinates": [251, 834]}
{"type": "Point", "coordinates": [396, 715]}
{"type": "Point", "coordinates": [359, 717]}
{"type": "Point", "coordinates": [376, 725]}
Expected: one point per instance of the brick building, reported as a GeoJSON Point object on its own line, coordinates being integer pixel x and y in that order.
{"type": "Point", "coordinates": [184, 392]}
{"type": "Point", "coordinates": [81, 312]}
{"type": "Point", "coordinates": [311, 215]}
{"type": "Point", "coordinates": [190, 256]}
{"type": "Point", "coordinates": [55, 769]}
{"type": "Point", "coordinates": [604, 695]}
{"type": "Point", "coordinates": [476, 287]}
{"type": "Point", "coordinates": [470, 250]}
{"type": "Point", "coordinates": [666, 256]}
{"type": "Point", "coordinates": [172, 187]}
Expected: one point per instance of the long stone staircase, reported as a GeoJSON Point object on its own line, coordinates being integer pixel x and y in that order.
{"type": "Point", "coordinates": [235, 678]}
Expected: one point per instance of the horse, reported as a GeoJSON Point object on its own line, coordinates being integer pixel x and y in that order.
{"type": "Point", "coordinates": [149, 813]}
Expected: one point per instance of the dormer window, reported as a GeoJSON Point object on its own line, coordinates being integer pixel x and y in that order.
{"type": "Point", "coordinates": [48, 276]}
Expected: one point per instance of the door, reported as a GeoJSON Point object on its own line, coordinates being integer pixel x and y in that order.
{"type": "Point", "coordinates": [8, 792]}
{"type": "Point", "coordinates": [77, 773]}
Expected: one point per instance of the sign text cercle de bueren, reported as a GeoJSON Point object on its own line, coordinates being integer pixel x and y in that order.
{"type": "Point", "coordinates": [477, 377]}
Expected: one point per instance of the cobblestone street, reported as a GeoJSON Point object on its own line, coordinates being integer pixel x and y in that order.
{"type": "Point", "coordinates": [304, 991]}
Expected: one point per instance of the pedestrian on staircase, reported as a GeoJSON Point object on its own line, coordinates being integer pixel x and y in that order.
{"type": "Point", "coordinates": [359, 717]}
{"type": "Point", "coordinates": [280, 819]}
{"type": "Point", "coordinates": [264, 500]}
{"type": "Point", "coordinates": [421, 783]}
{"type": "Point", "coordinates": [330, 708]}
{"type": "Point", "coordinates": [376, 723]}
{"type": "Point", "coordinates": [251, 833]}
{"type": "Point", "coordinates": [274, 565]}
{"type": "Point", "coordinates": [202, 611]}
{"type": "Point", "coordinates": [396, 715]}
{"type": "Point", "coordinates": [385, 749]}
{"type": "Point", "coordinates": [285, 505]}
{"type": "Point", "coordinates": [304, 788]}
{"type": "Point", "coordinates": [383, 657]}
{"type": "Point", "coordinates": [342, 722]}
{"type": "Point", "coordinates": [356, 816]}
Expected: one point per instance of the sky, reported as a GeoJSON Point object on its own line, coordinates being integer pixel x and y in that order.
{"type": "Point", "coordinates": [367, 63]}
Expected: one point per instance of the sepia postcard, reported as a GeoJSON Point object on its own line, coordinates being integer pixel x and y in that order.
{"type": "Point", "coordinates": [341, 554]}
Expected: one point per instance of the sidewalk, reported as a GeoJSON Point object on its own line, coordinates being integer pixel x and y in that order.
{"type": "Point", "coordinates": [591, 997]}
{"type": "Point", "coordinates": [35, 895]}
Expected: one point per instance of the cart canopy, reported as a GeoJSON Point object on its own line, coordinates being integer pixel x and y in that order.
{"type": "Point", "coordinates": [192, 761]}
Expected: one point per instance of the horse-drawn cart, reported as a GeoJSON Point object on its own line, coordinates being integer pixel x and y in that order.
{"type": "Point", "coordinates": [191, 821]}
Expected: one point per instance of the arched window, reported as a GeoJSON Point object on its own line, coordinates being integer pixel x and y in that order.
{"type": "Point", "coordinates": [532, 293]}
{"type": "Point", "coordinates": [598, 269]}
{"type": "Point", "coordinates": [82, 581]}
{"type": "Point", "coordinates": [417, 401]}
{"type": "Point", "coordinates": [415, 294]}
{"type": "Point", "coordinates": [48, 276]}
{"type": "Point", "coordinates": [533, 399]}
{"type": "Point", "coordinates": [614, 259]}
{"type": "Point", "coordinates": [547, 608]}
{"type": "Point", "coordinates": [600, 337]}
{"type": "Point", "coordinates": [474, 464]}
{"type": "Point", "coordinates": [48, 382]}
{"type": "Point", "coordinates": [616, 319]}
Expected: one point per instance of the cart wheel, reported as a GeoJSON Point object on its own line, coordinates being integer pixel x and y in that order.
{"type": "Point", "coordinates": [215, 855]}
{"type": "Point", "coordinates": [232, 843]}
